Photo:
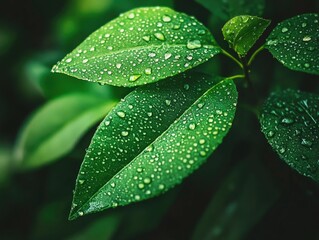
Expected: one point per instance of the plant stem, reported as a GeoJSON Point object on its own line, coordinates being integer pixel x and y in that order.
{"type": "Point", "coordinates": [246, 70]}
{"type": "Point", "coordinates": [236, 76]}
{"type": "Point", "coordinates": [255, 54]}
{"type": "Point", "coordinates": [233, 58]}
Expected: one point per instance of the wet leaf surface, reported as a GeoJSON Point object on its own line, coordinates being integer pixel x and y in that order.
{"type": "Point", "coordinates": [141, 46]}
{"type": "Point", "coordinates": [290, 122]}
{"type": "Point", "coordinates": [152, 140]}
{"type": "Point", "coordinates": [294, 42]}
{"type": "Point", "coordinates": [242, 32]}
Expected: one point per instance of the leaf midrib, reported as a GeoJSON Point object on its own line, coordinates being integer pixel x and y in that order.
{"type": "Point", "coordinates": [138, 155]}
{"type": "Point", "coordinates": [112, 53]}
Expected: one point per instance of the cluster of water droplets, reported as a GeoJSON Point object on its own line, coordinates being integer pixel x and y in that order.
{"type": "Point", "coordinates": [290, 121]}
{"type": "Point", "coordinates": [124, 164]}
{"type": "Point", "coordinates": [176, 152]}
{"type": "Point", "coordinates": [141, 46]}
{"type": "Point", "coordinates": [294, 42]}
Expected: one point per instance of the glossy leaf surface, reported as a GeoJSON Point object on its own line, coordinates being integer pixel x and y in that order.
{"type": "Point", "coordinates": [290, 122]}
{"type": "Point", "coordinates": [242, 32]}
{"type": "Point", "coordinates": [226, 9]}
{"type": "Point", "coordinates": [141, 46]}
{"type": "Point", "coordinates": [56, 127]}
{"type": "Point", "coordinates": [294, 42]}
{"type": "Point", "coordinates": [152, 140]}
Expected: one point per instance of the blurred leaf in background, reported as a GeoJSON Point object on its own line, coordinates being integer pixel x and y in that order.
{"type": "Point", "coordinates": [56, 127]}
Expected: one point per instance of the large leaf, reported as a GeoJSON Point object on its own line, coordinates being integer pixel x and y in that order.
{"type": "Point", "coordinates": [139, 47]}
{"type": "Point", "coordinates": [294, 42]}
{"type": "Point", "coordinates": [153, 139]}
{"type": "Point", "coordinates": [242, 32]}
{"type": "Point", "coordinates": [56, 127]}
{"type": "Point", "coordinates": [290, 122]}
{"type": "Point", "coordinates": [243, 198]}
{"type": "Point", "coordinates": [227, 9]}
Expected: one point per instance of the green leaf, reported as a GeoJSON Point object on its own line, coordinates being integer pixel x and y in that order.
{"type": "Point", "coordinates": [139, 47]}
{"type": "Point", "coordinates": [294, 42]}
{"type": "Point", "coordinates": [290, 122]}
{"type": "Point", "coordinates": [152, 140]}
{"type": "Point", "coordinates": [57, 126]}
{"type": "Point", "coordinates": [227, 9]}
{"type": "Point", "coordinates": [241, 201]}
{"type": "Point", "coordinates": [242, 32]}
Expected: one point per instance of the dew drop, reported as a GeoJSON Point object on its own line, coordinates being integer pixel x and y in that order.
{"type": "Point", "coordinates": [193, 44]}
{"type": "Point", "coordinates": [133, 78]}
{"type": "Point", "coordinates": [81, 213]}
{"type": "Point", "coordinates": [137, 197]}
{"type": "Point", "coordinates": [149, 148]}
{"type": "Point", "coordinates": [159, 36]}
{"type": "Point", "coordinates": [121, 114]}
{"type": "Point", "coordinates": [107, 122]}
{"type": "Point", "coordinates": [166, 18]}
{"type": "Point", "coordinates": [200, 105]}
{"type": "Point", "coordinates": [124, 133]}
{"type": "Point", "coordinates": [146, 38]}
{"type": "Point", "coordinates": [161, 186]}
{"type": "Point", "coordinates": [304, 24]}
{"type": "Point", "coordinates": [69, 60]}
{"type": "Point", "coordinates": [192, 126]}
{"type": "Point", "coordinates": [176, 26]}
{"type": "Point", "coordinates": [140, 185]}
{"type": "Point", "coordinates": [287, 121]}
{"type": "Point", "coordinates": [282, 150]}
{"type": "Point", "coordinates": [201, 32]}
{"type": "Point", "coordinates": [168, 102]}
{"type": "Point", "coordinates": [147, 180]}
{"type": "Point", "coordinates": [284, 29]}
{"type": "Point", "coordinates": [167, 55]}
{"type": "Point", "coordinates": [148, 71]}
{"type": "Point", "coordinates": [131, 16]}
{"type": "Point", "coordinates": [85, 60]}
{"type": "Point", "coordinates": [306, 143]}
{"type": "Point", "coordinates": [306, 39]}
{"type": "Point", "coordinates": [202, 153]}
{"type": "Point", "coordinates": [118, 65]}
{"type": "Point", "coordinates": [307, 65]}
{"type": "Point", "coordinates": [271, 133]}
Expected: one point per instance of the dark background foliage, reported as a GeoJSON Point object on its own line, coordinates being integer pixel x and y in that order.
{"type": "Point", "coordinates": [35, 34]}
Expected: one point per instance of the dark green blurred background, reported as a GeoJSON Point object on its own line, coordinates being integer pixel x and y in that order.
{"type": "Point", "coordinates": [243, 192]}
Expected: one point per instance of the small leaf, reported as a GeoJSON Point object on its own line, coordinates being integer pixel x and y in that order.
{"type": "Point", "coordinates": [227, 9]}
{"type": "Point", "coordinates": [57, 126]}
{"type": "Point", "coordinates": [152, 140]}
{"type": "Point", "coordinates": [290, 122]}
{"type": "Point", "coordinates": [242, 32]}
{"type": "Point", "coordinates": [139, 47]}
{"type": "Point", "coordinates": [294, 42]}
